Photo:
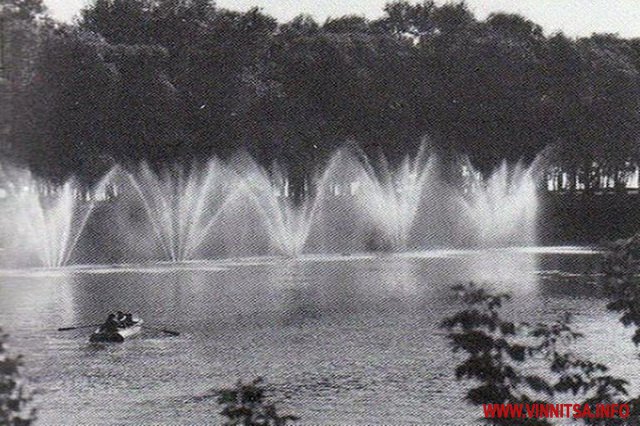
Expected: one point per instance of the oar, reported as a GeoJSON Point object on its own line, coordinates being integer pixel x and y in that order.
{"type": "Point", "coordinates": [78, 326]}
{"type": "Point", "coordinates": [164, 330]}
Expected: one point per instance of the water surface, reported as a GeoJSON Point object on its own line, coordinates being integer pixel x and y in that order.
{"type": "Point", "coordinates": [339, 339]}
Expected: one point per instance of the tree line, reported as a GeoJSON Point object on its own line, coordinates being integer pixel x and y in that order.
{"type": "Point", "coordinates": [180, 80]}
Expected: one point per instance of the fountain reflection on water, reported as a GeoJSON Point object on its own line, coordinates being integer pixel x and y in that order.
{"type": "Point", "coordinates": [352, 202]}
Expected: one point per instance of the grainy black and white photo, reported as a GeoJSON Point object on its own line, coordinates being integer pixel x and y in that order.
{"type": "Point", "coordinates": [330, 212]}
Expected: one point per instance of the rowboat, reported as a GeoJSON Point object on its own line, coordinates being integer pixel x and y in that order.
{"type": "Point", "coordinates": [119, 336]}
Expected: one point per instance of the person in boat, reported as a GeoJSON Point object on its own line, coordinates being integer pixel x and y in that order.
{"type": "Point", "coordinates": [128, 320]}
{"type": "Point", "coordinates": [121, 318]}
{"type": "Point", "coordinates": [111, 324]}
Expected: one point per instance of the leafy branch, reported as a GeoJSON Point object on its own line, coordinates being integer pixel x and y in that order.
{"type": "Point", "coordinates": [500, 354]}
{"type": "Point", "coordinates": [246, 405]}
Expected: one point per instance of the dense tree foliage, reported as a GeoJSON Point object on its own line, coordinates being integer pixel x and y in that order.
{"type": "Point", "coordinates": [19, 47]}
{"type": "Point", "coordinates": [173, 80]}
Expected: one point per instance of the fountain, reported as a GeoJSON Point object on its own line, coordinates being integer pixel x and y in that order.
{"type": "Point", "coordinates": [392, 197]}
{"type": "Point", "coordinates": [502, 209]}
{"type": "Point", "coordinates": [46, 219]}
{"type": "Point", "coordinates": [286, 223]}
{"type": "Point", "coordinates": [182, 204]}
{"type": "Point", "coordinates": [240, 208]}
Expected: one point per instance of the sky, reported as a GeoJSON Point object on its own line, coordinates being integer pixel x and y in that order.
{"type": "Point", "coordinates": [574, 17]}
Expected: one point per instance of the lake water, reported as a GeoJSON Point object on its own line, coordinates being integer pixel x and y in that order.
{"type": "Point", "coordinates": [339, 339]}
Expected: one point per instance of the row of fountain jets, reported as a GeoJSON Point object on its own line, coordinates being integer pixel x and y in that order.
{"type": "Point", "coordinates": [351, 204]}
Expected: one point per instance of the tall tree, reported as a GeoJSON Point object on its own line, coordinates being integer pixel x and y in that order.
{"type": "Point", "coordinates": [63, 115]}
{"type": "Point", "coordinates": [21, 25]}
